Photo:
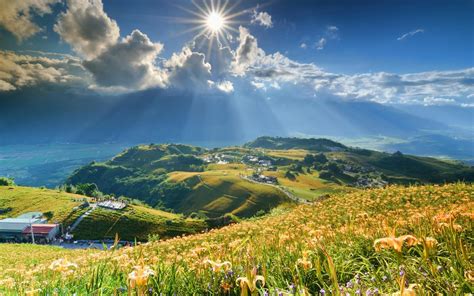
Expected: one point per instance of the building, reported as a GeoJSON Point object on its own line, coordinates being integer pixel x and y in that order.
{"type": "Point", "coordinates": [112, 204]}
{"type": "Point", "coordinates": [41, 232]}
{"type": "Point", "coordinates": [11, 229]}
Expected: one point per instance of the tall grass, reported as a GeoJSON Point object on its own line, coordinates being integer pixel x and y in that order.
{"type": "Point", "coordinates": [401, 240]}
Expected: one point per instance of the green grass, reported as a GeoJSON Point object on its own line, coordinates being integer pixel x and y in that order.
{"type": "Point", "coordinates": [301, 250]}
{"type": "Point", "coordinates": [220, 192]}
{"type": "Point", "coordinates": [135, 222]}
{"type": "Point", "coordinates": [27, 199]}
{"type": "Point", "coordinates": [29, 256]}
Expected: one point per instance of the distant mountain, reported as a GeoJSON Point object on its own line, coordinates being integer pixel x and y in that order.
{"type": "Point", "coordinates": [149, 116]}
{"type": "Point", "coordinates": [322, 145]}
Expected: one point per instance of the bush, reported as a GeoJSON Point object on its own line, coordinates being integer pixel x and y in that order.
{"type": "Point", "coordinates": [4, 181]}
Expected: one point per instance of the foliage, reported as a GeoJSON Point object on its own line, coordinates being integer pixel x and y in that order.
{"type": "Point", "coordinates": [397, 240]}
{"type": "Point", "coordinates": [4, 181]}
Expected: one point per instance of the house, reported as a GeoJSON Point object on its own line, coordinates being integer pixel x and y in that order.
{"type": "Point", "coordinates": [11, 229]}
{"type": "Point", "coordinates": [41, 232]}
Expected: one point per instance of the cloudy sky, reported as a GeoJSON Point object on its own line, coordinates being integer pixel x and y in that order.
{"type": "Point", "coordinates": [389, 52]}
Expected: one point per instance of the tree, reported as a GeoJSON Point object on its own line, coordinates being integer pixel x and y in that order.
{"type": "Point", "coordinates": [88, 189]}
{"type": "Point", "coordinates": [4, 181]}
{"type": "Point", "coordinates": [309, 159]}
{"type": "Point", "coordinates": [320, 158]}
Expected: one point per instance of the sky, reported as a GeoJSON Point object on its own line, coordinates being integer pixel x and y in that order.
{"type": "Point", "coordinates": [386, 52]}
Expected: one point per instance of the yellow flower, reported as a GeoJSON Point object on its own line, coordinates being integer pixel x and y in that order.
{"type": "Point", "coordinates": [395, 243]}
{"type": "Point", "coordinates": [250, 282]}
{"type": "Point", "coordinates": [139, 277]}
{"type": "Point", "coordinates": [32, 292]}
{"type": "Point", "coordinates": [218, 266]}
{"type": "Point", "coordinates": [63, 266]}
{"type": "Point", "coordinates": [304, 262]}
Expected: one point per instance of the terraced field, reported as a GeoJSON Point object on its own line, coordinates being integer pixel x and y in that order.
{"type": "Point", "coordinates": [220, 192]}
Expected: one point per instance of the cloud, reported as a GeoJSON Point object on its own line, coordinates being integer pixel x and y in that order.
{"type": "Point", "coordinates": [303, 45]}
{"type": "Point", "coordinates": [247, 53]}
{"type": "Point", "coordinates": [129, 63]}
{"type": "Point", "coordinates": [332, 32]}
{"type": "Point", "coordinates": [321, 43]}
{"type": "Point", "coordinates": [17, 16]}
{"type": "Point", "coordinates": [386, 88]}
{"type": "Point", "coordinates": [87, 28]}
{"type": "Point", "coordinates": [219, 56]}
{"type": "Point", "coordinates": [225, 86]}
{"type": "Point", "coordinates": [188, 70]}
{"type": "Point", "coordinates": [410, 34]}
{"type": "Point", "coordinates": [18, 71]}
{"type": "Point", "coordinates": [262, 18]}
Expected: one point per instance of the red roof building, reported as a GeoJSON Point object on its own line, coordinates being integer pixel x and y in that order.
{"type": "Point", "coordinates": [42, 231]}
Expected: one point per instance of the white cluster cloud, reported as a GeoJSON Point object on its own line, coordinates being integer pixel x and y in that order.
{"type": "Point", "coordinates": [87, 28]}
{"type": "Point", "coordinates": [436, 87]}
{"type": "Point", "coordinates": [247, 53]}
{"type": "Point", "coordinates": [188, 69]}
{"type": "Point", "coordinates": [129, 63]}
{"type": "Point", "coordinates": [262, 18]}
{"type": "Point", "coordinates": [16, 16]}
{"type": "Point", "coordinates": [410, 34]}
{"type": "Point", "coordinates": [110, 63]}
{"type": "Point", "coordinates": [18, 71]}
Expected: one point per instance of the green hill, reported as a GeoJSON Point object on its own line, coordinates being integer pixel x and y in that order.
{"type": "Point", "coordinates": [395, 168]}
{"type": "Point", "coordinates": [145, 172]}
{"type": "Point", "coordinates": [133, 222]}
{"type": "Point", "coordinates": [216, 194]}
{"type": "Point", "coordinates": [60, 206]}
{"type": "Point", "coordinates": [280, 143]}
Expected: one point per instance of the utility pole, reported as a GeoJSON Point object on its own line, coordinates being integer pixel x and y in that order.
{"type": "Point", "coordinates": [32, 233]}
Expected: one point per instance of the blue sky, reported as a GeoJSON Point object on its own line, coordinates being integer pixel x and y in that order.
{"type": "Point", "coordinates": [361, 50]}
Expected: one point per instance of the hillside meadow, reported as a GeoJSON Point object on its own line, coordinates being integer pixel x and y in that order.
{"type": "Point", "coordinates": [397, 240]}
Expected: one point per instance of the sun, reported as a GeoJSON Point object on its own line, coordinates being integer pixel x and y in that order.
{"type": "Point", "coordinates": [215, 22]}
{"type": "Point", "coordinates": [215, 19]}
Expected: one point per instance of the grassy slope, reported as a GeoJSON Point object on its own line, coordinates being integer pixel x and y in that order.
{"type": "Point", "coordinates": [219, 192]}
{"type": "Point", "coordinates": [407, 168]}
{"type": "Point", "coordinates": [28, 199]}
{"type": "Point", "coordinates": [293, 247]}
{"type": "Point", "coordinates": [307, 185]}
{"type": "Point", "coordinates": [28, 255]}
{"type": "Point", "coordinates": [135, 222]}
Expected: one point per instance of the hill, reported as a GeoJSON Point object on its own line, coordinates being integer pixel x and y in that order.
{"type": "Point", "coordinates": [216, 194]}
{"type": "Point", "coordinates": [60, 206]}
{"type": "Point", "coordinates": [133, 222]}
{"type": "Point", "coordinates": [349, 164]}
{"type": "Point", "coordinates": [279, 143]}
{"type": "Point", "coordinates": [383, 237]}
{"type": "Point", "coordinates": [148, 173]}
{"type": "Point", "coordinates": [235, 180]}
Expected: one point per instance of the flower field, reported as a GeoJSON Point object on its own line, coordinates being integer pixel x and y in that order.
{"type": "Point", "coordinates": [397, 240]}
